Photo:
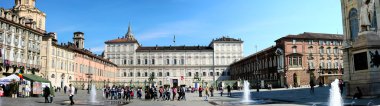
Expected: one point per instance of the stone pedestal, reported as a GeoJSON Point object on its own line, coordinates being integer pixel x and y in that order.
{"type": "Point", "coordinates": [365, 65]}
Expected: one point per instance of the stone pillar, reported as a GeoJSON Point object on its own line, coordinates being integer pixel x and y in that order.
{"type": "Point", "coordinates": [364, 65]}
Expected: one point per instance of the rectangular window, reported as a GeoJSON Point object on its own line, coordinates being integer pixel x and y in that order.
{"type": "Point", "coordinates": [204, 74]}
{"type": "Point", "coordinates": [321, 50]}
{"type": "Point", "coordinates": [138, 61]}
{"type": "Point", "coordinates": [167, 61]}
{"type": "Point", "coordinates": [217, 74]}
{"type": "Point", "coordinates": [211, 74]}
{"type": "Point", "coordinates": [153, 61]}
{"type": "Point", "coordinates": [310, 42]}
{"type": "Point", "coordinates": [175, 61]}
{"type": "Point", "coordinates": [321, 42]}
{"type": "Point", "coordinates": [182, 61]}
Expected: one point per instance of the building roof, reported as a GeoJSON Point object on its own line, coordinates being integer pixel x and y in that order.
{"type": "Point", "coordinates": [70, 46]}
{"type": "Point", "coordinates": [128, 38]}
{"type": "Point", "coordinates": [173, 48]}
{"type": "Point", "coordinates": [266, 50]}
{"type": "Point", "coordinates": [314, 36]}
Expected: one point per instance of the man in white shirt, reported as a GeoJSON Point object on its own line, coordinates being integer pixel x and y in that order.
{"type": "Point", "coordinates": [71, 94]}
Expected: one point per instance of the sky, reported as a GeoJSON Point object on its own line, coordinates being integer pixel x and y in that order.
{"type": "Point", "coordinates": [193, 22]}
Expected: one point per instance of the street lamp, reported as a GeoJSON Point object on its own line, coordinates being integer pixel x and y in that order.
{"type": "Point", "coordinates": [89, 77]}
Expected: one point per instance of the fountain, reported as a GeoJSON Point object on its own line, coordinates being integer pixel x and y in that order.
{"type": "Point", "coordinates": [246, 93]}
{"type": "Point", "coordinates": [335, 98]}
{"type": "Point", "coordinates": [93, 94]}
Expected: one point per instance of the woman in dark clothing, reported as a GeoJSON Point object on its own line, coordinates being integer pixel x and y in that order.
{"type": "Point", "coordinates": [46, 94]}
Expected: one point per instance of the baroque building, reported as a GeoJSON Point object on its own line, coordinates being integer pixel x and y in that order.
{"type": "Point", "coordinates": [69, 63]}
{"type": "Point", "coordinates": [20, 42]}
{"type": "Point", "coordinates": [172, 65]}
{"type": "Point", "coordinates": [294, 60]}
{"type": "Point", "coordinates": [27, 8]}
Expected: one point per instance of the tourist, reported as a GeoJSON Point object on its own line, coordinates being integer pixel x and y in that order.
{"type": "Point", "coordinates": [206, 91]}
{"type": "Point", "coordinates": [14, 88]}
{"type": "Point", "coordinates": [46, 94]}
{"type": "Point", "coordinates": [161, 91]}
{"type": "Point", "coordinates": [174, 91]}
{"type": "Point", "coordinates": [27, 91]}
{"type": "Point", "coordinates": [358, 94]}
{"type": "Point", "coordinates": [221, 90]}
{"type": "Point", "coordinates": [139, 93]}
{"type": "Point", "coordinates": [71, 95]}
{"type": "Point", "coordinates": [107, 91]}
{"type": "Point", "coordinates": [131, 93]}
{"type": "Point", "coordinates": [128, 94]}
{"type": "Point", "coordinates": [229, 90]}
{"type": "Point", "coordinates": [119, 92]}
{"type": "Point", "coordinates": [200, 91]}
{"type": "Point", "coordinates": [64, 89]}
{"type": "Point", "coordinates": [341, 85]}
{"type": "Point", "coordinates": [1, 92]}
{"type": "Point", "coordinates": [212, 91]}
{"type": "Point", "coordinates": [312, 87]}
{"type": "Point", "coordinates": [183, 93]}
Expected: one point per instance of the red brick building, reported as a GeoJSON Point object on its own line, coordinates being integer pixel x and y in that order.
{"type": "Point", "coordinates": [295, 60]}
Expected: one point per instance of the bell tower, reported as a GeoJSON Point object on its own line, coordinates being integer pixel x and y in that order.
{"type": "Point", "coordinates": [27, 9]}
{"type": "Point", "coordinates": [79, 39]}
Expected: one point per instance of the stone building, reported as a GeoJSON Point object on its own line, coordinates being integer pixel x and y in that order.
{"type": "Point", "coordinates": [27, 9]}
{"type": "Point", "coordinates": [172, 65]}
{"type": "Point", "coordinates": [361, 47]}
{"type": "Point", "coordinates": [295, 60]}
{"type": "Point", "coordinates": [20, 41]}
{"type": "Point", "coordinates": [69, 63]}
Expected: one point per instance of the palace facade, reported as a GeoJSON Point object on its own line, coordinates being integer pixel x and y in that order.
{"type": "Point", "coordinates": [69, 63]}
{"type": "Point", "coordinates": [295, 60]}
{"type": "Point", "coordinates": [172, 65]}
{"type": "Point", "coordinates": [20, 41]}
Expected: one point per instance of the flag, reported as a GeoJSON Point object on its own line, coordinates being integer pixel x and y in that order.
{"type": "Point", "coordinates": [174, 39]}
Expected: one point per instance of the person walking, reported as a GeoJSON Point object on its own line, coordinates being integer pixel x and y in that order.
{"type": "Point", "coordinates": [312, 87]}
{"type": "Point", "coordinates": [200, 91]}
{"type": "Point", "coordinates": [212, 91]}
{"type": "Point", "coordinates": [174, 91]}
{"type": "Point", "coordinates": [64, 89]}
{"type": "Point", "coordinates": [161, 91]}
{"type": "Point", "coordinates": [46, 94]}
{"type": "Point", "coordinates": [221, 90]}
{"type": "Point", "coordinates": [341, 85]}
{"type": "Point", "coordinates": [71, 94]}
{"type": "Point", "coordinates": [229, 90]}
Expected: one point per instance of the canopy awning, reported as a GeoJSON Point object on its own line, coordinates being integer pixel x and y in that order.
{"type": "Point", "coordinates": [32, 77]}
{"type": "Point", "coordinates": [8, 79]}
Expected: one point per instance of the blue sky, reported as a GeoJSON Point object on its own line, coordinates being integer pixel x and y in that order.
{"type": "Point", "coordinates": [194, 22]}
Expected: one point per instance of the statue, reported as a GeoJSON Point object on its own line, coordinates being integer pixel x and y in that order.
{"type": "Point", "coordinates": [366, 15]}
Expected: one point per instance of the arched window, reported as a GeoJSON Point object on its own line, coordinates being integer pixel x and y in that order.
{"type": "Point", "coordinates": [138, 74]}
{"type": "Point", "coordinates": [145, 74]}
{"type": "Point", "coordinates": [131, 74]}
{"type": "Point", "coordinates": [160, 74]}
{"type": "Point", "coordinates": [354, 23]}
{"type": "Point", "coordinates": [125, 74]}
{"type": "Point", "coordinates": [167, 74]}
{"type": "Point", "coordinates": [52, 76]}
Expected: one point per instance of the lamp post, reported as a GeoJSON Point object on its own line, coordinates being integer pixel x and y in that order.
{"type": "Point", "coordinates": [89, 80]}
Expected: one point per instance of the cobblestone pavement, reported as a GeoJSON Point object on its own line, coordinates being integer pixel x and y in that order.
{"type": "Point", "coordinates": [276, 97]}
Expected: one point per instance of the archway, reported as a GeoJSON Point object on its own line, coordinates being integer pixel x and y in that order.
{"type": "Point", "coordinates": [296, 80]}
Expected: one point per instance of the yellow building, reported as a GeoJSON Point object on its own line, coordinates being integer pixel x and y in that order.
{"type": "Point", "coordinates": [26, 8]}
